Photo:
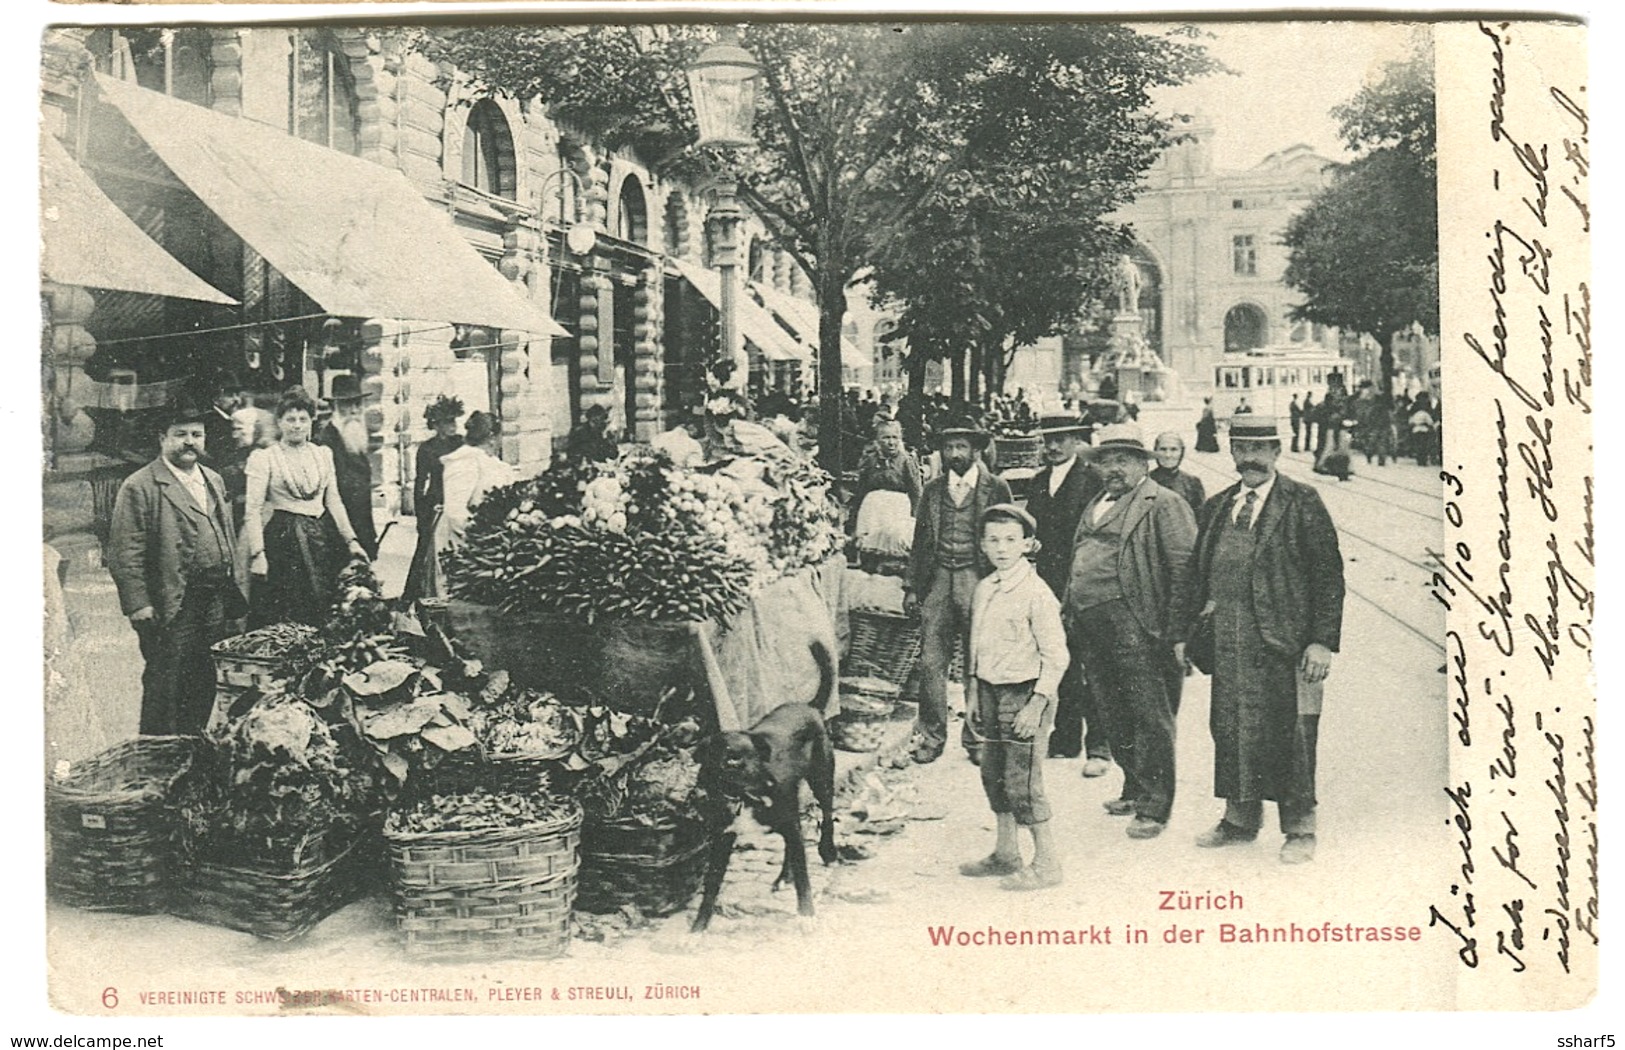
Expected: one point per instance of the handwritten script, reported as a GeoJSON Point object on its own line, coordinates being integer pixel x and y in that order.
{"type": "Point", "coordinates": [1517, 571]}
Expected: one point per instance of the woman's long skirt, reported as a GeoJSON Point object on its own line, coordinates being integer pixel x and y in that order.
{"type": "Point", "coordinates": [303, 558]}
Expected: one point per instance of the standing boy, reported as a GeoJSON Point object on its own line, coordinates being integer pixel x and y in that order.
{"type": "Point", "coordinates": [1017, 656]}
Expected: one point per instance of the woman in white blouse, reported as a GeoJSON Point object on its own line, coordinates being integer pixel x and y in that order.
{"type": "Point", "coordinates": [469, 473]}
{"type": "Point", "coordinates": [296, 524]}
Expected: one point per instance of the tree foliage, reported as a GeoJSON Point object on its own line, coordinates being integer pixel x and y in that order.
{"type": "Point", "coordinates": [868, 133]}
{"type": "Point", "coordinates": [1365, 252]}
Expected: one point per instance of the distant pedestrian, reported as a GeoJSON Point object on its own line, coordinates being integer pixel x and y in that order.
{"type": "Point", "coordinates": [1207, 428]}
{"type": "Point", "coordinates": [1269, 590]}
{"type": "Point", "coordinates": [470, 471]}
{"type": "Point", "coordinates": [1170, 453]}
{"type": "Point", "coordinates": [171, 553]}
{"type": "Point", "coordinates": [428, 492]}
{"type": "Point", "coordinates": [1297, 420]}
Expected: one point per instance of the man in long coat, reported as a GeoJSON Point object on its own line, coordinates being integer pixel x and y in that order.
{"type": "Point", "coordinates": [171, 553]}
{"type": "Point", "coordinates": [1269, 590]}
{"type": "Point", "coordinates": [346, 435]}
{"type": "Point", "coordinates": [945, 564]}
{"type": "Point", "coordinates": [1056, 499]}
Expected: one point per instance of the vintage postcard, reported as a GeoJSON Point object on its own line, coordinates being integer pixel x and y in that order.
{"type": "Point", "coordinates": [503, 558]}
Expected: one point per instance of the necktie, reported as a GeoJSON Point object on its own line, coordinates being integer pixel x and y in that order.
{"type": "Point", "coordinates": [1244, 520]}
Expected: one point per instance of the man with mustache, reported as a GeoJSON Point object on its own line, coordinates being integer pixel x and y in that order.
{"type": "Point", "coordinates": [1126, 605]}
{"type": "Point", "coordinates": [171, 553]}
{"type": "Point", "coordinates": [346, 435]}
{"type": "Point", "coordinates": [945, 564]}
{"type": "Point", "coordinates": [1269, 587]}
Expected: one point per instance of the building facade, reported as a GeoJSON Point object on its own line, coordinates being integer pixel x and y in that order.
{"type": "Point", "coordinates": [586, 239]}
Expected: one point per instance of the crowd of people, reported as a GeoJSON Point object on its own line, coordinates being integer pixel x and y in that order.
{"type": "Point", "coordinates": [1081, 613]}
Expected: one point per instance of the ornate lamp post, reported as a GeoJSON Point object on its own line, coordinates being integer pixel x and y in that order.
{"type": "Point", "coordinates": [722, 83]}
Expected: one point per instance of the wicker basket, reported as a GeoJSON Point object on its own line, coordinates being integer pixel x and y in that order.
{"type": "Point", "coordinates": [882, 563]}
{"type": "Point", "coordinates": [486, 893]}
{"type": "Point", "coordinates": [883, 645]}
{"type": "Point", "coordinates": [235, 672]}
{"type": "Point", "coordinates": [1020, 451]}
{"type": "Point", "coordinates": [113, 828]}
{"type": "Point", "coordinates": [278, 904]}
{"type": "Point", "coordinates": [656, 867]}
{"type": "Point", "coordinates": [861, 725]}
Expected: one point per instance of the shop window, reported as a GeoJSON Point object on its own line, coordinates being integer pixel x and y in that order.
{"type": "Point", "coordinates": [1244, 255]}
{"type": "Point", "coordinates": [488, 157]}
{"type": "Point", "coordinates": [300, 81]}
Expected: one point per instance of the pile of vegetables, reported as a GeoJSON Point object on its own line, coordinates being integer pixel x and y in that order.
{"type": "Point", "coordinates": [283, 783]}
{"type": "Point", "coordinates": [479, 811]}
{"type": "Point", "coordinates": [646, 539]}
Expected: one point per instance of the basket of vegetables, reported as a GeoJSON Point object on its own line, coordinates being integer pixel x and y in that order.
{"type": "Point", "coordinates": [252, 660]}
{"type": "Point", "coordinates": [485, 874]}
{"type": "Point", "coordinates": [280, 823]}
{"type": "Point", "coordinates": [648, 831]}
{"type": "Point", "coordinates": [113, 824]}
{"type": "Point", "coordinates": [861, 724]}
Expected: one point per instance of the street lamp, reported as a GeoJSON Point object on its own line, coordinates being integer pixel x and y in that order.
{"type": "Point", "coordinates": [722, 83]}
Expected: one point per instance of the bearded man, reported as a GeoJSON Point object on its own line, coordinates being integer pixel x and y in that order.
{"type": "Point", "coordinates": [346, 435]}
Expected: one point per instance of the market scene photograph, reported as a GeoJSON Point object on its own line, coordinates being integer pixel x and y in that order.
{"type": "Point", "coordinates": [573, 518]}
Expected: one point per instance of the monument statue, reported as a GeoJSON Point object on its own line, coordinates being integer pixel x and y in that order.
{"type": "Point", "coordinates": [1128, 286]}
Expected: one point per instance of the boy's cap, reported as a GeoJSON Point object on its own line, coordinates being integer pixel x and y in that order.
{"type": "Point", "coordinates": [1011, 512]}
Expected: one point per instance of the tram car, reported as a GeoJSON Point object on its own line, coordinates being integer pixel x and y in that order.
{"type": "Point", "coordinates": [1267, 378]}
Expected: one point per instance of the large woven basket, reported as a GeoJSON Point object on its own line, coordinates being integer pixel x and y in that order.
{"type": "Point", "coordinates": [883, 645]}
{"type": "Point", "coordinates": [278, 904]}
{"type": "Point", "coordinates": [113, 827]}
{"type": "Point", "coordinates": [658, 868]}
{"type": "Point", "coordinates": [861, 725]}
{"type": "Point", "coordinates": [505, 892]}
{"type": "Point", "coordinates": [1022, 451]}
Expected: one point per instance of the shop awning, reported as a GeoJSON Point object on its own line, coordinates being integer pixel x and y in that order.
{"type": "Point", "coordinates": [355, 236]}
{"type": "Point", "coordinates": [755, 323]}
{"type": "Point", "coordinates": [88, 241]}
{"type": "Point", "coordinates": [801, 316]}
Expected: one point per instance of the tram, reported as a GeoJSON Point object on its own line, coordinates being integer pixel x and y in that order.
{"type": "Point", "coordinates": [1268, 377]}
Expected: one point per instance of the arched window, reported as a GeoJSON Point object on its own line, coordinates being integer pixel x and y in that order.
{"type": "Point", "coordinates": [632, 217]}
{"type": "Point", "coordinates": [1244, 328]}
{"type": "Point", "coordinates": [488, 159]}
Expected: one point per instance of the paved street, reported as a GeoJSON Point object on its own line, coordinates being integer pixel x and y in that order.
{"type": "Point", "coordinates": [1381, 770]}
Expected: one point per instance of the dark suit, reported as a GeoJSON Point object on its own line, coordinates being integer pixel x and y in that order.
{"type": "Point", "coordinates": [1057, 518]}
{"type": "Point", "coordinates": [354, 473]}
{"type": "Point", "coordinates": [165, 553]}
{"type": "Point", "coordinates": [945, 594]}
{"type": "Point", "coordinates": [1127, 613]}
{"type": "Point", "coordinates": [1284, 593]}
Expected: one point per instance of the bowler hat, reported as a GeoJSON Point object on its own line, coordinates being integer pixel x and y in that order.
{"type": "Point", "coordinates": [1251, 427]}
{"type": "Point", "coordinates": [963, 429]}
{"type": "Point", "coordinates": [345, 387]}
{"type": "Point", "coordinates": [1049, 425]}
{"type": "Point", "coordinates": [1121, 437]}
{"type": "Point", "coordinates": [186, 408]}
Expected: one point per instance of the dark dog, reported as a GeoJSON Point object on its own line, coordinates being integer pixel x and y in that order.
{"type": "Point", "coordinates": [763, 768]}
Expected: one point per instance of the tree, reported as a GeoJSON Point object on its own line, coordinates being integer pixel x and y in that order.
{"type": "Point", "coordinates": [860, 126]}
{"type": "Point", "coordinates": [1365, 252]}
